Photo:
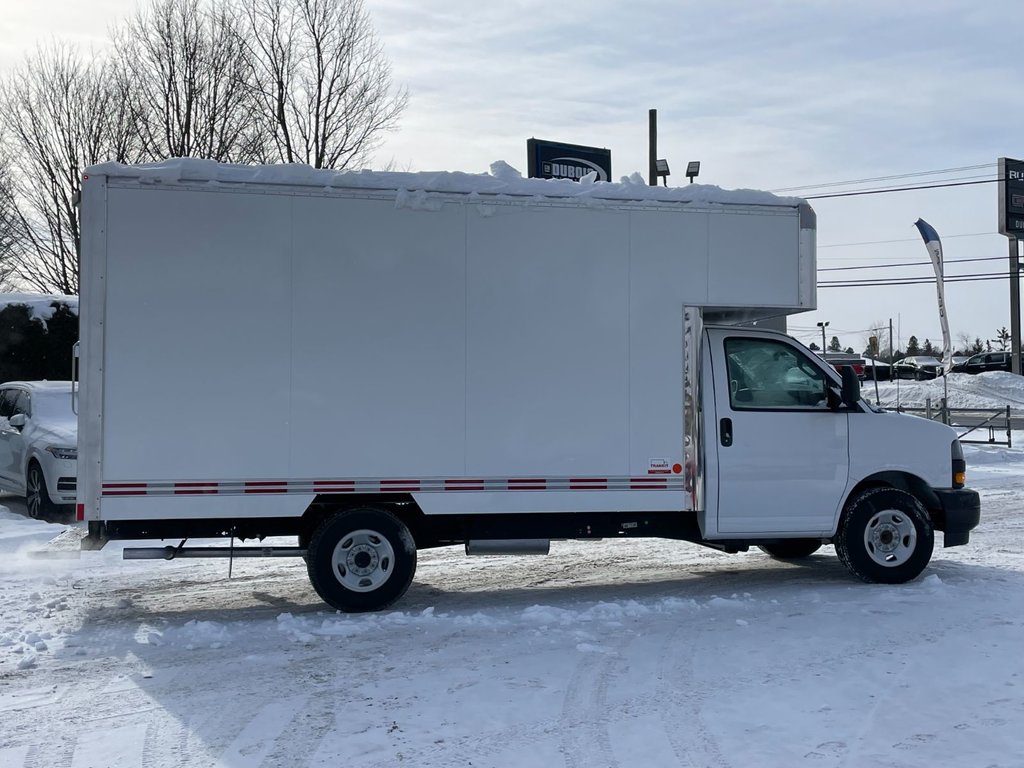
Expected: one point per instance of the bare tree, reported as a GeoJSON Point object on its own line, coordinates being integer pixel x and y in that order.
{"type": "Point", "coordinates": [963, 341]}
{"type": "Point", "coordinates": [60, 116]}
{"type": "Point", "coordinates": [880, 332]}
{"type": "Point", "coordinates": [185, 70]}
{"type": "Point", "coordinates": [321, 79]}
{"type": "Point", "coordinates": [12, 235]}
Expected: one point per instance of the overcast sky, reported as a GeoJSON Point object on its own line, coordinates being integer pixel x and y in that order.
{"type": "Point", "coordinates": [765, 94]}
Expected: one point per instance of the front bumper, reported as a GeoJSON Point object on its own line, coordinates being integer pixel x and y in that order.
{"type": "Point", "coordinates": [960, 514]}
{"type": "Point", "coordinates": [61, 479]}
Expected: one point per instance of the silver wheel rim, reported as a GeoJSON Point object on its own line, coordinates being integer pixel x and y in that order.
{"type": "Point", "coordinates": [890, 538]}
{"type": "Point", "coordinates": [363, 560]}
{"type": "Point", "coordinates": [34, 499]}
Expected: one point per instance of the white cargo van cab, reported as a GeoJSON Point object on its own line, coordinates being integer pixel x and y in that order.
{"type": "Point", "coordinates": [392, 362]}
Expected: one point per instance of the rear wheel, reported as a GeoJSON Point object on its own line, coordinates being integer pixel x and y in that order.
{"type": "Point", "coordinates": [361, 559]}
{"type": "Point", "coordinates": [37, 498]}
{"type": "Point", "coordinates": [885, 536]}
{"type": "Point", "coordinates": [791, 549]}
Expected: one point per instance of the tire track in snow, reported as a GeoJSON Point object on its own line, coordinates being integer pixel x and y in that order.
{"type": "Point", "coordinates": [584, 723]}
{"type": "Point", "coordinates": [682, 703]}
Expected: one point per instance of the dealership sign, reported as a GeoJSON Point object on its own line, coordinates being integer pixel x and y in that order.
{"type": "Point", "coordinates": [553, 160]}
{"type": "Point", "coordinates": [1011, 197]}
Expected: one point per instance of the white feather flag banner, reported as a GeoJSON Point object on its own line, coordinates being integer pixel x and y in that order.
{"type": "Point", "coordinates": [934, 246]}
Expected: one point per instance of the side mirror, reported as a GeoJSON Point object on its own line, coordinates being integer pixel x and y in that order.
{"type": "Point", "coordinates": [851, 387]}
{"type": "Point", "coordinates": [17, 420]}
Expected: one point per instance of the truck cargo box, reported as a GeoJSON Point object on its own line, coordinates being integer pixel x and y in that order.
{"type": "Point", "coordinates": [274, 332]}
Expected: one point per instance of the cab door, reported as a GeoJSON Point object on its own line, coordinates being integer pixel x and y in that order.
{"type": "Point", "coordinates": [783, 453]}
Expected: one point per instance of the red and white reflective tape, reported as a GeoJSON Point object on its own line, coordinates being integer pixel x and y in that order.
{"type": "Point", "coordinates": [392, 485]}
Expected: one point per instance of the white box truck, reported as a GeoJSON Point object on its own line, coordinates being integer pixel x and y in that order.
{"type": "Point", "coordinates": [375, 364]}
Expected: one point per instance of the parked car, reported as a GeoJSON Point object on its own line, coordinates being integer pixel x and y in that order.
{"type": "Point", "coordinates": [877, 370]}
{"type": "Point", "coordinates": [38, 445]}
{"type": "Point", "coordinates": [986, 361]}
{"type": "Point", "coordinates": [917, 367]}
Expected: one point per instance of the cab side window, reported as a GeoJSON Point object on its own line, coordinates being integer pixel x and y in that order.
{"type": "Point", "coordinates": [765, 374]}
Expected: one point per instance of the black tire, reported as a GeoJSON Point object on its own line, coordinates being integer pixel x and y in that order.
{"type": "Point", "coordinates": [361, 559]}
{"type": "Point", "coordinates": [791, 549]}
{"type": "Point", "coordinates": [885, 536]}
{"type": "Point", "coordinates": [37, 498]}
{"type": "Point", "coordinates": [917, 375]}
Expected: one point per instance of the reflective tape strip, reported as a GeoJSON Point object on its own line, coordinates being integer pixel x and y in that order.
{"type": "Point", "coordinates": [392, 485]}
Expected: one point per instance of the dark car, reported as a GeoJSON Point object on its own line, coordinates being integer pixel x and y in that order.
{"type": "Point", "coordinates": [876, 370]}
{"type": "Point", "coordinates": [986, 361]}
{"type": "Point", "coordinates": [917, 367]}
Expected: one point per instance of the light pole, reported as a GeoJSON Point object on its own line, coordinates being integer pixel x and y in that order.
{"type": "Point", "coordinates": [823, 326]}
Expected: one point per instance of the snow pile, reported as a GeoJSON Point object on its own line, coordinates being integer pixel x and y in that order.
{"type": "Point", "coordinates": [193, 635]}
{"type": "Point", "coordinates": [40, 304]}
{"type": "Point", "coordinates": [415, 188]}
{"type": "Point", "coordinates": [18, 534]}
{"type": "Point", "coordinates": [995, 389]}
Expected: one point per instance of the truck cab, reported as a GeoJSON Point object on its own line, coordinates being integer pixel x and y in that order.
{"type": "Point", "coordinates": [797, 453]}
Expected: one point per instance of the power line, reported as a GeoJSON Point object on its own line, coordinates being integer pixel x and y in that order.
{"type": "Point", "coordinates": [980, 277]}
{"type": "Point", "coordinates": [912, 279]}
{"type": "Point", "coordinates": [882, 190]}
{"type": "Point", "coordinates": [902, 240]}
{"type": "Point", "coordinates": [910, 264]}
{"type": "Point", "coordinates": [887, 178]}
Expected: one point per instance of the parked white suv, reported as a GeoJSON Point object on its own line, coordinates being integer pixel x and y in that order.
{"type": "Point", "coordinates": [38, 444]}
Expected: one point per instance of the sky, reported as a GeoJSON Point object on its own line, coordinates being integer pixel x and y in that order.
{"type": "Point", "coordinates": [767, 95]}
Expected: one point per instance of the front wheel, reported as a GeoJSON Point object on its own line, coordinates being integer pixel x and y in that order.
{"type": "Point", "coordinates": [361, 559]}
{"type": "Point", "coordinates": [37, 498]}
{"type": "Point", "coordinates": [791, 549]}
{"type": "Point", "coordinates": [885, 536]}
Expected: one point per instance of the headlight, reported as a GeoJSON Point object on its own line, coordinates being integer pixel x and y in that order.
{"type": "Point", "coordinates": [59, 452]}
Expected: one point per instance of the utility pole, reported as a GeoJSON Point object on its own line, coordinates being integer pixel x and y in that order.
{"type": "Point", "coordinates": [652, 144]}
{"type": "Point", "coordinates": [1011, 224]}
{"type": "Point", "coordinates": [1014, 305]}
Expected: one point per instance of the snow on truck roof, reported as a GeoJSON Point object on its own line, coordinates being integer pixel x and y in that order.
{"type": "Point", "coordinates": [503, 179]}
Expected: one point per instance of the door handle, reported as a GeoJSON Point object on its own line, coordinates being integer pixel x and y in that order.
{"type": "Point", "coordinates": [725, 431]}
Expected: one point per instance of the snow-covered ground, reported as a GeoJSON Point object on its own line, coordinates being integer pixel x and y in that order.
{"type": "Point", "coordinates": [961, 390]}
{"type": "Point", "coordinates": [616, 653]}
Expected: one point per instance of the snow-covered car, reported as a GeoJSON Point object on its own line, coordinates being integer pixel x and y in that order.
{"type": "Point", "coordinates": [917, 367]}
{"type": "Point", "coordinates": [38, 444]}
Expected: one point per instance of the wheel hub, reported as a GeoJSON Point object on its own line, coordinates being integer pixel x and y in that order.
{"type": "Point", "coordinates": [363, 560]}
{"type": "Point", "coordinates": [885, 538]}
{"type": "Point", "coordinates": [890, 538]}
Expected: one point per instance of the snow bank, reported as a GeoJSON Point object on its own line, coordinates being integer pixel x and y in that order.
{"type": "Point", "coordinates": [414, 188]}
{"type": "Point", "coordinates": [995, 389]}
{"type": "Point", "coordinates": [19, 533]}
{"type": "Point", "coordinates": [41, 304]}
